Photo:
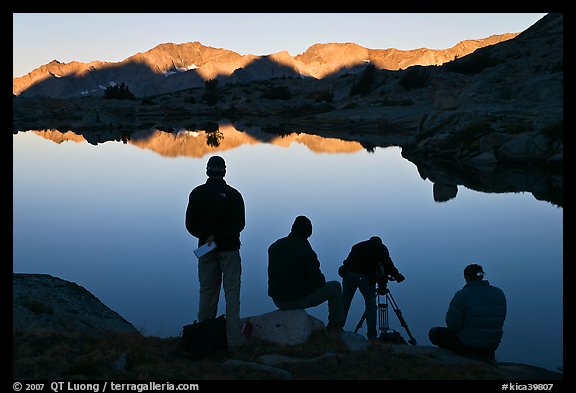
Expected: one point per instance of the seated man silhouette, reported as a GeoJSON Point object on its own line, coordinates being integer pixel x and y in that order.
{"type": "Point", "coordinates": [474, 319]}
{"type": "Point", "coordinates": [295, 280]}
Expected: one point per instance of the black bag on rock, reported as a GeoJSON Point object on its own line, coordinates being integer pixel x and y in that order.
{"type": "Point", "coordinates": [203, 338]}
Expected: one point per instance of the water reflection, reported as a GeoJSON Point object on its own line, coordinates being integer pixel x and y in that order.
{"type": "Point", "coordinates": [111, 218]}
{"type": "Point", "coordinates": [544, 183]}
{"type": "Point", "coordinates": [213, 138]}
{"type": "Point", "coordinates": [444, 192]}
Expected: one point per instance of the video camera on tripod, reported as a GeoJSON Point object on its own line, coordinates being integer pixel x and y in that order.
{"type": "Point", "coordinates": [387, 334]}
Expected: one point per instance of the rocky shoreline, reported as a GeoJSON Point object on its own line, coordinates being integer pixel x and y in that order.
{"type": "Point", "coordinates": [284, 345]}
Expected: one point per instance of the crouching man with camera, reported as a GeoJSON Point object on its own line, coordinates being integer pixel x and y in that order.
{"type": "Point", "coordinates": [367, 264]}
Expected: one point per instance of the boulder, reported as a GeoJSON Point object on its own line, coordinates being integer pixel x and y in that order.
{"type": "Point", "coordinates": [290, 327]}
{"type": "Point", "coordinates": [44, 302]}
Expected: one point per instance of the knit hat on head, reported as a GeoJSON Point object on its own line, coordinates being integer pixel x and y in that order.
{"type": "Point", "coordinates": [474, 272]}
{"type": "Point", "coordinates": [303, 226]}
{"type": "Point", "coordinates": [216, 167]}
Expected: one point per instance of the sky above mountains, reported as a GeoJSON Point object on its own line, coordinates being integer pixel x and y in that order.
{"type": "Point", "coordinates": [39, 38]}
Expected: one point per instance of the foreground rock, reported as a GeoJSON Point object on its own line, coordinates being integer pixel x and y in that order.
{"type": "Point", "coordinates": [285, 327]}
{"type": "Point", "coordinates": [44, 302]}
{"type": "Point", "coordinates": [284, 345]}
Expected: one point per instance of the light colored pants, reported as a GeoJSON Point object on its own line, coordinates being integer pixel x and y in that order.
{"type": "Point", "coordinates": [217, 269]}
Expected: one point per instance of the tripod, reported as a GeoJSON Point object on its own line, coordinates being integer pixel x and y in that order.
{"type": "Point", "coordinates": [387, 334]}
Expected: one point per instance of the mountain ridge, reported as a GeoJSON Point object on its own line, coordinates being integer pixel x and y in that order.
{"type": "Point", "coordinates": [169, 67]}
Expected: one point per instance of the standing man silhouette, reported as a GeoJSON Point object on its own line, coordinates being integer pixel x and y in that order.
{"type": "Point", "coordinates": [216, 214]}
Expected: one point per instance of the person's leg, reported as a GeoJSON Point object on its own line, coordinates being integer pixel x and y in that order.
{"type": "Point", "coordinates": [331, 292]}
{"type": "Point", "coordinates": [210, 278]}
{"type": "Point", "coordinates": [348, 290]}
{"type": "Point", "coordinates": [368, 292]}
{"type": "Point", "coordinates": [488, 354]}
{"type": "Point", "coordinates": [336, 316]}
{"type": "Point", "coordinates": [230, 263]}
{"type": "Point", "coordinates": [445, 338]}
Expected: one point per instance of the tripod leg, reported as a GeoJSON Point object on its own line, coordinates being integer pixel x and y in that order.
{"type": "Point", "coordinates": [412, 340]}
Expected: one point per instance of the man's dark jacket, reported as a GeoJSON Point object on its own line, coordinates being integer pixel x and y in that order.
{"type": "Point", "coordinates": [215, 208]}
{"type": "Point", "coordinates": [477, 313]}
{"type": "Point", "coordinates": [293, 268]}
{"type": "Point", "coordinates": [367, 256]}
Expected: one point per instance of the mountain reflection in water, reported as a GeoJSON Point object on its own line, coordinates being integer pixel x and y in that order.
{"type": "Point", "coordinates": [110, 217]}
{"type": "Point", "coordinates": [543, 183]}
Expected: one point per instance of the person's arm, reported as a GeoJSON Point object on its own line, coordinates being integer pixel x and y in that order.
{"type": "Point", "coordinates": [193, 222]}
{"type": "Point", "coordinates": [389, 267]}
{"type": "Point", "coordinates": [239, 221]}
{"type": "Point", "coordinates": [312, 265]}
{"type": "Point", "coordinates": [455, 314]}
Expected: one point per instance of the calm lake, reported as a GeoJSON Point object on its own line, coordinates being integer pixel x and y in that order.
{"type": "Point", "coordinates": [110, 217]}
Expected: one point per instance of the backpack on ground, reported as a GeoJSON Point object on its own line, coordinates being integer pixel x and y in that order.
{"type": "Point", "coordinates": [201, 339]}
